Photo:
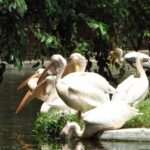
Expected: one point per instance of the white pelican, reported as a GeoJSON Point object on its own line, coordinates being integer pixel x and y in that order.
{"type": "Point", "coordinates": [133, 89]}
{"type": "Point", "coordinates": [76, 63]}
{"type": "Point", "coordinates": [114, 114]}
{"type": "Point", "coordinates": [81, 91]}
{"type": "Point", "coordinates": [47, 92]}
{"type": "Point", "coordinates": [107, 116]}
{"type": "Point", "coordinates": [130, 58]}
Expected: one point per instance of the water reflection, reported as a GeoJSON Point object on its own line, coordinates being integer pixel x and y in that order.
{"type": "Point", "coordinates": [10, 123]}
{"type": "Point", "coordinates": [126, 145]}
{"type": "Point", "coordinates": [96, 145]}
{"type": "Point", "coordinates": [84, 145]}
{"type": "Point", "coordinates": [23, 143]}
{"type": "Point", "coordinates": [16, 130]}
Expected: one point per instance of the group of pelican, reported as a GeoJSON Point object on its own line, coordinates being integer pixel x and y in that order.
{"type": "Point", "coordinates": [67, 87]}
{"type": "Point", "coordinates": [46, 91]}
{"type": "Point", "coordinates": [118, 56]}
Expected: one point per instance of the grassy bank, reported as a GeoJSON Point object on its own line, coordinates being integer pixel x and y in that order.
{"type": "Point", "coordinates": [49, 125]}
{"type": "Point", "coordinates": [141, 120]}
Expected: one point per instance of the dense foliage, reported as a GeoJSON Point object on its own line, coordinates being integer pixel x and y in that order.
{"type": "Point", "coordinates": [35, 29]}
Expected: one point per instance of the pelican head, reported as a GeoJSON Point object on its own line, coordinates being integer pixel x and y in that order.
{"type": "Point", "coordinates": [78, 61]}
{"type": "Point", "coordinates": [35, 75]}
{"type": "Point", "coordinates": [56, 67]}
{"type": "Point", "coordinates": [70, 131]}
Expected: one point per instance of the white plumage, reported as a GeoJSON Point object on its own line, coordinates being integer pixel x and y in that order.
{"type": "Point", "coordinates": [111, 115]}
{"type": "Point", "coordinates": [133, 89]}
{"type": "Point", "coordinates": [46, 91]}
{"type": "Point", "coordinates": [81, 91]}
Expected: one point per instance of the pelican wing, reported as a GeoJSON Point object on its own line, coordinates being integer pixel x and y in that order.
{"type": "Point", "coordinates": [110, 116]}
{"type": "Point", "coordinates": [84, 98]}
{"type": "Point", "coordinates": [125, 83]}
{"type": "Point", "coordinates": [89, 79]}
{"type": "Point", "coordinates": [84, 91]}
{"type": "Point", "coordinates": [137, 91]}
{"type": "Point", "coordinates": [122, 89]}
{"type": "Point", "coordinates": [131, 90]}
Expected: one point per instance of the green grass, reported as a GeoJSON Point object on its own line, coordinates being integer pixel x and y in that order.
{"type": "Point", "coordinates": [141, 120]}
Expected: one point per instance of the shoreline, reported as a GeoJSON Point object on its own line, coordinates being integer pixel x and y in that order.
{"type": "Point", "coordinates": [128, 134]}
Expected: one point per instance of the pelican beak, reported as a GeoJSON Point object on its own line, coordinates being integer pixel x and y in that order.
{"type": "Point", "coordinates": [77, 68]}
{"type": "Point", "coordinates": [36, 75]}
{"type": "Point", "coordinates": [28, 95]}
{"type": "Point", "coordinates": [24, 100]}
{"type": "Point", "coordinates": [48, 71]}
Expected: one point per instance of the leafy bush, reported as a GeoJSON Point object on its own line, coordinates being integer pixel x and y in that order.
{"type": "Point", "coordinates": [48, 125]}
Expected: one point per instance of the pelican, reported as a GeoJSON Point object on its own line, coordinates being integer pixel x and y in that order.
{"type": "Point", "coordinates": [117, 56]}
{"type": "Point", "coordinates": [47, 92]}
{"type": "Point", "coordinates": [133, 89]}
{"type": "Point", "coordinates": [108, 116]}
{"type": "Point", "coordinates": [81, 91]}
{"type": "Point", "coordinates": [114, 114]}
{"type": "Point", "coordinates": [77, 63]}
{"type": "Point", "coordinates": [32, 84]}
{"type": "Point", "coordinates": [130, 58]}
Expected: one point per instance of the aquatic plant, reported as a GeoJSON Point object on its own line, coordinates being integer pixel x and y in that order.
{"type": "Point", "coordinates": [48, 125]}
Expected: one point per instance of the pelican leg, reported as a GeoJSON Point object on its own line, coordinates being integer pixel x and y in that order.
{"type": "Point", "coordinates": [79, 115]}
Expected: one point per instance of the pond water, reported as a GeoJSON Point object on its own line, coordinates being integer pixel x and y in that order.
{"type": "Point", "coordinates": [16, 130]}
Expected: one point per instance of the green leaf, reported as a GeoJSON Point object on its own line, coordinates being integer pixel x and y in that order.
{"type": "Point", "coordinates": [49, 40]}
{"type": "Point", "coordinates": [43, 38]}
